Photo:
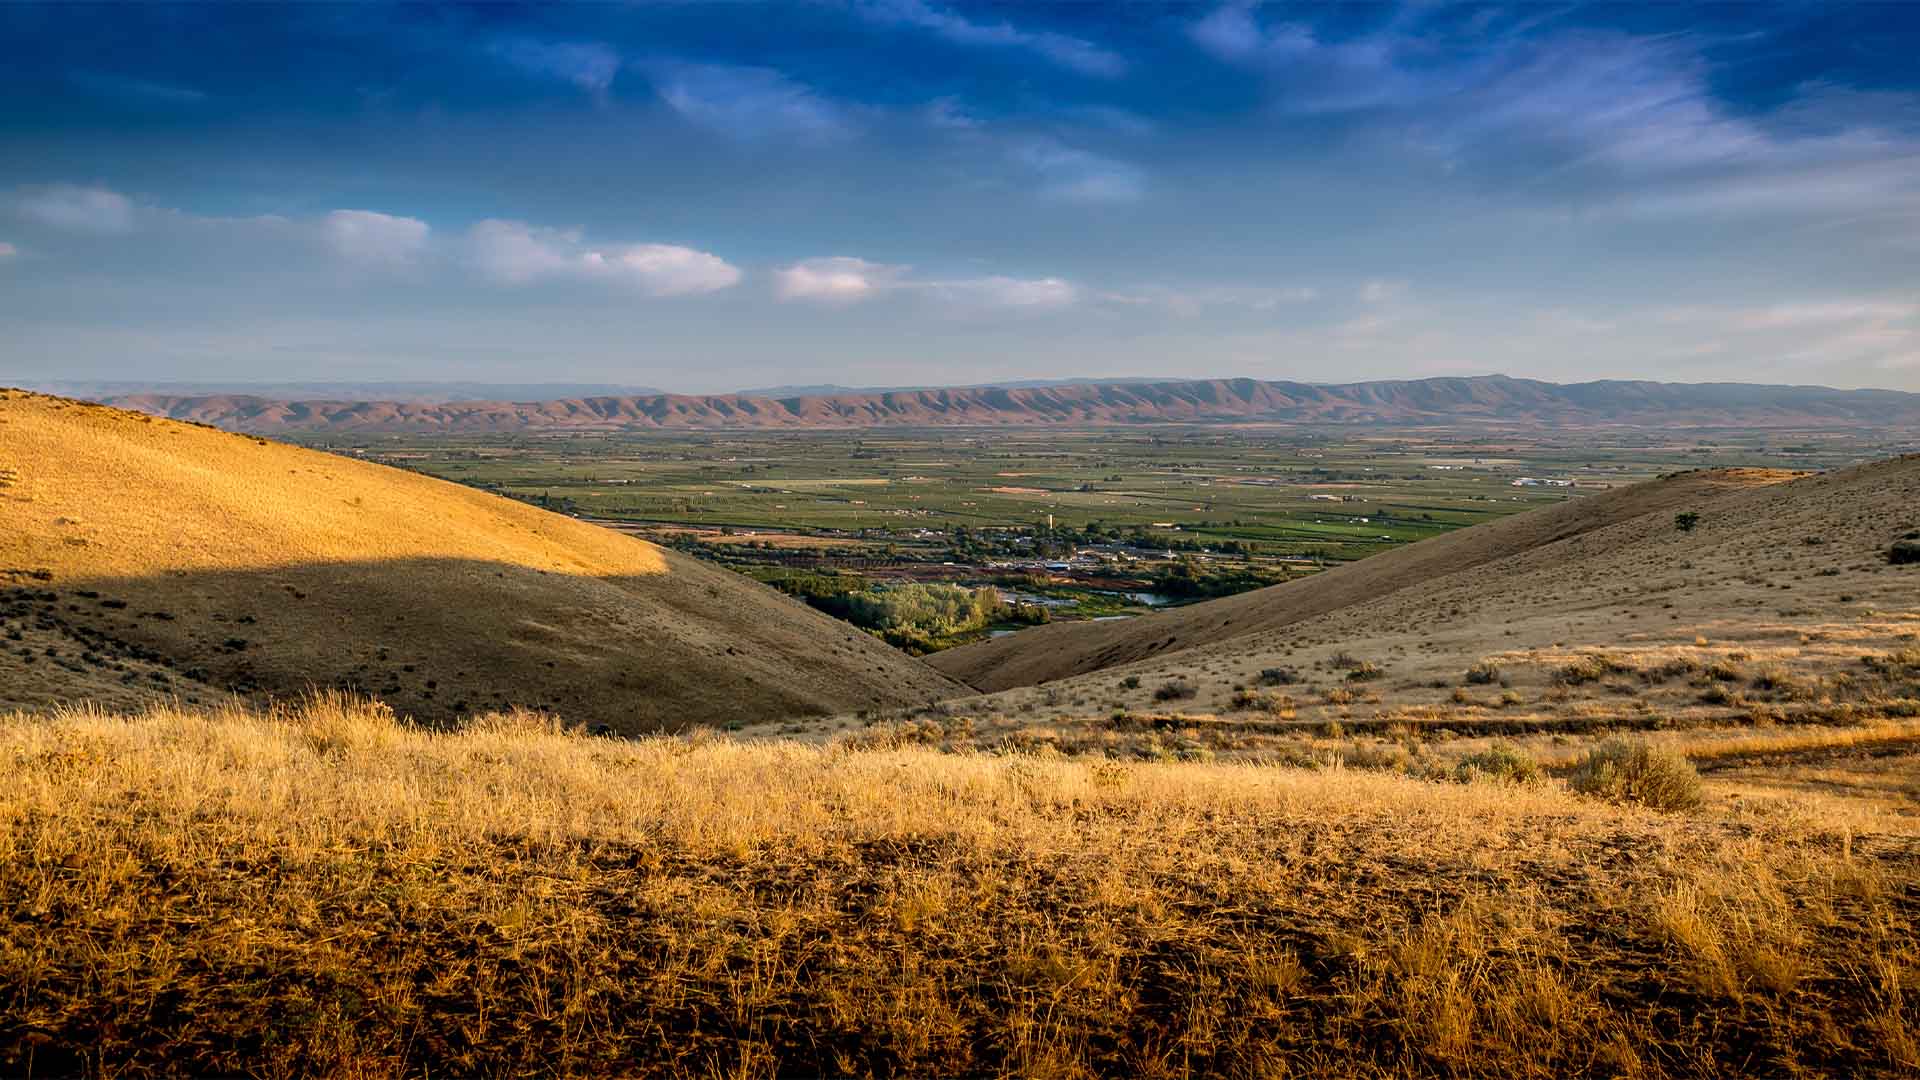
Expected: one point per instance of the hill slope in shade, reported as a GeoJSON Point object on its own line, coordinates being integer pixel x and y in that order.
{"type": "Point", "coordinates": [1490, 399]}
{"type": "Point", "coordinates": [1058, 651]}
{"type": "Point", "coordinates": [155, 557]}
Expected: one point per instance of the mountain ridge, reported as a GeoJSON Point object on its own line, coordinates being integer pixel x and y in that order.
{"type": "Point", "coordinates": [1467, 399]}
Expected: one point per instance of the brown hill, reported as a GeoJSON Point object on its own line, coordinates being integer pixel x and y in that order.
{"type": "Point", "coordinates": [142, 557]}
{"type": "Point", "coordinates": [1064, 649]}
{"type": "Point", "coordinates": [1490, 399]}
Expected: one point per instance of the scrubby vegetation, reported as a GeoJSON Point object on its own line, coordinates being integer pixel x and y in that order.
{"type": "Point", "coordinates": [1500, 762]}
{"type": "Point", "coordinates": [1175, 690]}
{"type": "Point", "coordinates": [1591, 667]}
{"type": "Point", "coordinates": [1190, 580]}
{"type": "Point", "coordinates": [324, 890]}
{"type": "Point", "coordinates": [914, 617]}
{"type": "Point", "coordinates": [1635, 772]}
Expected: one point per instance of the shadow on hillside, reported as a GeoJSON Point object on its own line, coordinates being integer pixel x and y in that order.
{"type": "Point", "coordinates": [442, 638]}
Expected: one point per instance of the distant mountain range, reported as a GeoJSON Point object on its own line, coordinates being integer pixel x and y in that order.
{"type": "Point", "coordinates": [1492, 400]}
{"type": "Point", "coordinates": [833, 389]}
{"type": "Point", "coordinates": [421, 391]}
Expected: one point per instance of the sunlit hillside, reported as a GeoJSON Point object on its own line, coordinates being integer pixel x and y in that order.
{"type": "Point", "coordinates": [148, 558]}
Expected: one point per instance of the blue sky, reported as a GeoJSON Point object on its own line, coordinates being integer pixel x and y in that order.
{"type": "Point", "coordinates": [711, 196]}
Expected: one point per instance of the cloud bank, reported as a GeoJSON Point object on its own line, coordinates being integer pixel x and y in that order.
{"type": "Point", "coordinates": [73, 208]}
{"type": "Point", "coordinates": [367, 236]}
{"type": "Point", "coordinates": [841, 281]}
{"type": "Point", "coordinates": [516, 253]}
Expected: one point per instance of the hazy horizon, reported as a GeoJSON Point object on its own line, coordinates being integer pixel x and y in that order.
{"type": "Point", "coordinates": [429, 391]}
{"type": "Point", "coordinates": [908, 193]}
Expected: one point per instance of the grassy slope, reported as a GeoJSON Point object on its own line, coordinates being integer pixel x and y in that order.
{"type": "Point", "coordinates": [1056, 652]}
{"type": "Point", "coordinates": [324, 891]}
{"type": "Point", "coordinates": [211, 560]}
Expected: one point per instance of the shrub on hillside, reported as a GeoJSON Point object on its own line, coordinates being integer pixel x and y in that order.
{"type": "Point", "coordinates": [1634, 772]}
{"type": "Point", "coordinates": [1591, 667]}
{"type": "Point", "coordinates": [1263, 701]}
{"type": "Point", "coordinates": [1904, 552]}
{"type": "Point", "coordinates": [1278, 676]}
{"type": "Point", "coordinates": [1717, 694]}
{"type": "Point", "coordinates": [1484, 673]}
{"type": "Point", "coordinates": [1365, 671]}
{"type": "Point", "coordinates": [1503, 762]}
{"type": "Point", "coordinates": [1774, 678]}
{"type": "Point", "coordinates": [1686, 520]}
{"type": "Point", "coordinates": [1175, 690]}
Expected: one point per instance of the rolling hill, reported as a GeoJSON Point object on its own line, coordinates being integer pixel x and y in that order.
{"type": "Point", "coordinates": [1065, 649]}
{"type": "Point", "coordinates": [143, 558]}
{"type": "Point", "coordinates": [1489, 399]}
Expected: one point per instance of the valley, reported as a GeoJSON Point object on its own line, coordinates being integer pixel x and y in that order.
{"type": "Point", "coordinates": [960, 540]}
{"type": "Point", "coordinates": [1095, 523]}
{"type": "Point", "coordinates": [1610, 775]}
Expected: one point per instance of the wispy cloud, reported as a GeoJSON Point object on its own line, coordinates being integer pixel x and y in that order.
{"type": "Point", "coordinates": [951, 114]}
{"type": "Point", "coordinates": [836, 280]}
{"type": "Point", "coordinates": [7, 250]}
{"type": "Point", "coordinates": [1826, 313]}
{"type": "Point", "coordinates": [74, 208]}
{"type": "Point", "coordinates": [589, 65]}
{"type": "Point", "coordinates": [1194, 300]}
{"type": "Point", "coordinates": [748, 102]}
{"type": "Point", "coordinates": [367, 236]}
{"type": "Point", "coordinates": [1071, 174]}
{"type": "Point", "coordinates": [999, 292]}
{"type": "Point", "coordinates": [516, 253]}
{"type": "Point", "coordinates": [1880, 331]}
{"type": "Point", "coordinates": [141, 91]}
{"type": "Point", "coordinates": [840, 281]}
{"type": "Point", "coordinates": [1610, 120]}
{"type": "Point", "coordinates": [1070, 52]}
{"type": "Point", "coordinates": [1312, 75]}
{"type": "Point", "coordinates": [1382, 291]}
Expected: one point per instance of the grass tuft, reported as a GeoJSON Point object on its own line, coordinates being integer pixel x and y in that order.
{"type": "Point", "coordinates": [1634, 772]}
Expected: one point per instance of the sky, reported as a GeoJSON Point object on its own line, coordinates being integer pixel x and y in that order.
{"type": "Point", "coordinates": [711, 196]}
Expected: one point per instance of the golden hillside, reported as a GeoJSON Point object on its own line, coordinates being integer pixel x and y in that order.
{"type": "Point", "coordinates": [144, 557]}
{"type": "Point", "coordinates": [1061, 650]}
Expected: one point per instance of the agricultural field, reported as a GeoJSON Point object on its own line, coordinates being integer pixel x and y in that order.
{"type": "Point", "coordinates": [1083, 524]}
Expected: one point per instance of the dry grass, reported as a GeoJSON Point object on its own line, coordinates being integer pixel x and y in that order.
{"type": "Point", "coordinates": [1716, 750]}
{"type": "Point", "coordinates": [325, 890]}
